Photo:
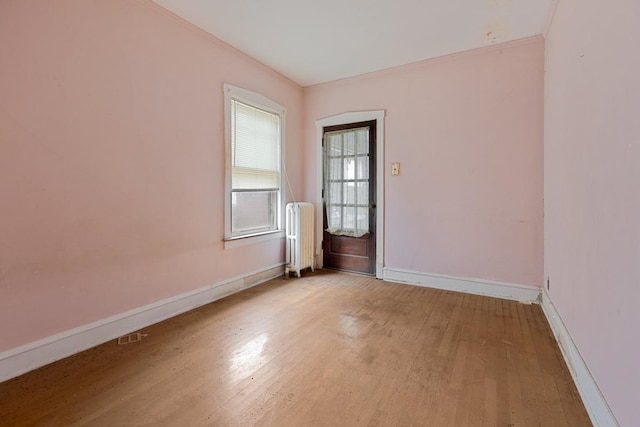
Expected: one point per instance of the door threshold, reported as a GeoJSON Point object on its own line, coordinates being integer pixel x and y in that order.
{"type": "Point", "coordinates": [351, 272]}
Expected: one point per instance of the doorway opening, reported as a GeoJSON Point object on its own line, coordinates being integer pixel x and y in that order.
{"type": "Point", "coordinates": [350, 197]}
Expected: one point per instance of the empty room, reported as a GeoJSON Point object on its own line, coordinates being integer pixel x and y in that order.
{"type": "Point", "coordinates": [319, 213]}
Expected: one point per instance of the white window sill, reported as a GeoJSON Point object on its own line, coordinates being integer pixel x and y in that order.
{"type": "Point", "coordinates": [235, 242]}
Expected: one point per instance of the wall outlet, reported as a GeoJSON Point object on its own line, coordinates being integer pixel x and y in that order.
{"type": "Point", "coordinates": [395, 168]}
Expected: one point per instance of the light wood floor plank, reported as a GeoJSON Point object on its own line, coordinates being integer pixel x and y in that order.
{"type": "Point", "coordinates": [327, 349]}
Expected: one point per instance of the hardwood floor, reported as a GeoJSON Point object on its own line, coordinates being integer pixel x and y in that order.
{"type": "Point", "coordinates": [327, 349]}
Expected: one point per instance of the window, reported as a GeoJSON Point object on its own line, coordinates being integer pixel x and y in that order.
{"type": "Point", "coordinates": [346, 180]}
{"type": "Point", "coordinates": [254, 142]}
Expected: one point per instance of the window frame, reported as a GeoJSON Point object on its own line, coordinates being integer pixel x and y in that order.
{"type": "Point", "coordinates": [259, 101]}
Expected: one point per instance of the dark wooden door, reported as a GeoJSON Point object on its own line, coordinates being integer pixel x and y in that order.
{"type": "Point", "coordinates": [349, 239]}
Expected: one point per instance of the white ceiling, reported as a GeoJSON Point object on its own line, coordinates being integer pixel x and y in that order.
{"type": "Point", "coordinates": [315, 41]}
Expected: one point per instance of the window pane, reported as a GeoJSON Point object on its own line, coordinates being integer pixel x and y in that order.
{"type": "Point", "coordinates": [253, 211]}
{"type": "Point", "coordinates": [334, 169]}
{"type": "Point", "coordinates": [333, 217]}
{"type": "Point", "coordinates": [363, 168]}
{"type": "Point", "coordinates": [333, 142]}
{"type": "Point", "coordinates": [363, 193]}
{"type": "Point", "coordinates": [349, 143]}
{"type": "Point", "coordinates": [349, 168]}
{"type": "Point", "coordinates": [362, 146]}
{"type": "Point", "coordinates": [348, 218]}
{"type": "Point", "coordinates": [363, 219]}
{"type": "Point", "coordinates": [335, 193]}
{"type": "Point", "coordinates": [349, 193]}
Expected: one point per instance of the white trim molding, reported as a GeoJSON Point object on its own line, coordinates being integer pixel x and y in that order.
{"type": "Point", "coordinates": [342, 119]}
{"type": "Point", "coordinates": [31, 356]}
{"type": "Point", "coordinates": [593, 400]}
{"type": "Point", "coordinates": [510, 291]}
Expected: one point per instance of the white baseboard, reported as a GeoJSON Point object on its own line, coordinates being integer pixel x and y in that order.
{"type": "Point", "coordinates": [593, 400]}
{"type": "Point", "coordinates": [20, 360]}
{"type": "Point", "coordinates": [489, 288]}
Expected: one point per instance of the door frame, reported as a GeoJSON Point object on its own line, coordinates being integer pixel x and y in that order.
{"type": "Point", "coordinates": [343, 119]}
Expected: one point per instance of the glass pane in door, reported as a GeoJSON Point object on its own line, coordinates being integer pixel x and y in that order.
{"type": "Point", "coordinates": [346, 175]}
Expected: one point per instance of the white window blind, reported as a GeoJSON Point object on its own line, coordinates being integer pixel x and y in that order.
{"type": "Point", "coordinates": [255, 156]}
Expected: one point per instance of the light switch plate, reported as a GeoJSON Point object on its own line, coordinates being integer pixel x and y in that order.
{"type": "Point", "coordinates": [395, 168]}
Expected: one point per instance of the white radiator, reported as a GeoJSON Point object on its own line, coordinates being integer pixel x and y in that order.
{"type": "Point", "coordinates": [299, 228]}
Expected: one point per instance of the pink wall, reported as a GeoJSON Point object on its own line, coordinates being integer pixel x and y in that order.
{"type": "Point", "coordinates": [592, 189]}
{"type": "Point", "coordinates": [112, 161]}
{"type": "Point", "coordinates": [467, 130]}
